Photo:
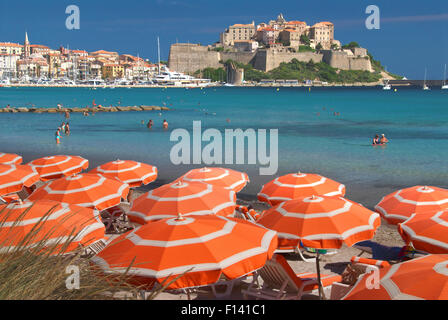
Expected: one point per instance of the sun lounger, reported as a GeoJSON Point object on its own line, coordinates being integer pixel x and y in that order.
{"type": "Point", "coordinates": [357, 267]}
{"type": "Point", "coordinates": [280, 282]}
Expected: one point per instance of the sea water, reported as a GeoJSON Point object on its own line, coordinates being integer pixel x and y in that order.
{"type": "Point", "coordinates": [323, 130]}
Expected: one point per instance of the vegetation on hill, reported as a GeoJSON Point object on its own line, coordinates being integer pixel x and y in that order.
{"type": "Point", "coordinates": [295, 70]}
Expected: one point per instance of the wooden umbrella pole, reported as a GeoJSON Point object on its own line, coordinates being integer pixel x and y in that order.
{"type": "Point", "coordinates": [321, 292]}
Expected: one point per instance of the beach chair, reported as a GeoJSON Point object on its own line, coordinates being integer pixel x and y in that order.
{"type": "Point", "coordinates": [358, 266]}
{"type": "Point", "coordinates": [115, 220]}
{"type": "Point", "coordinates": [280, 282]}
{"type": "Point", "coordinates": [94, 248]}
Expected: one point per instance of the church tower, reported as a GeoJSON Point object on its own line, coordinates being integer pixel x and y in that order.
{"type": "Point", "coordinates": [26, 47]}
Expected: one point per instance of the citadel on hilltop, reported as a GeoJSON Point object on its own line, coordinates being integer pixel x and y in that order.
{"type": "Point", "coordinates": [267, 45]}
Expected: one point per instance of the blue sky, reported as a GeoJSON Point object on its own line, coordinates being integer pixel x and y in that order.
{"type": "Point", "coordinates": [413, 34]}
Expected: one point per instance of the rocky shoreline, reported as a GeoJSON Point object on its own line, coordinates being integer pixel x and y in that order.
{"type": "Point", "coordinates": [81, 110]}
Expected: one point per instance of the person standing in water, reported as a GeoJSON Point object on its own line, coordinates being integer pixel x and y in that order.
{"type": "Point", "coordinates": [383, 139]}
{"type": "Point", "coordinates": [165, 124]}
{"type": "Point", "coordinates": [63, 127]}
{"type": "Point", "coordinates": [58, 136]}
{"type": "Point", "coordinates": [150, 123]}
{"type": "Point", "coordinates": [67, 129]}
{"type": "Point", "coordinates": [376, 140]}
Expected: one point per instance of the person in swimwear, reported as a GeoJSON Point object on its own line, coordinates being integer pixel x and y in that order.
{"type": "Point", "coordinates": [383, 139]}
{"type": "Point", "coordinates": [58, 136]}
{"type": "Point", "coordinates": [376, 140]}
{"type": "Point", "coordinates": [67, 129]}
{"type": "Point", "coordinates": [63, 126]}
{"type": "Point", "coordinates": [165, 124]}
{"type": "Point", "coordinates": [150, 123]}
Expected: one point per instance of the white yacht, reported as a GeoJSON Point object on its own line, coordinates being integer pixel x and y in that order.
{"type": "Point", "coordinates": [387, 86]}
{"type": "Point", "coordinates": [168, 77]}
{"type": "Point", "coordinates": [444, 85]}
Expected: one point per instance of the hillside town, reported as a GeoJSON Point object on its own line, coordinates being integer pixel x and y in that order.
{"type": "Point", "coordinates": [31, 61]}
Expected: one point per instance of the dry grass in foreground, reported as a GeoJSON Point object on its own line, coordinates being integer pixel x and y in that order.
{"type": "Point", "coordinates": [39, 271]}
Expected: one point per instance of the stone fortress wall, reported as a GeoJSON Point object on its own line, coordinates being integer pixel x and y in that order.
{"type": "Point", "coordinates": [188, 58]}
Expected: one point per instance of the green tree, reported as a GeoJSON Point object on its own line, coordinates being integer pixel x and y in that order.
{"type": "Point", "coordinates": [319, 47]}
{"type": "Point", "coordinates": [305, 40]}
{"type": "Point", "coordinates": [351, 45]}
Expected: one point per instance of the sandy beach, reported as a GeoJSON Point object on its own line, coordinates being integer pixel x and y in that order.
{"type": "Point", "coordinates": [386, 245]}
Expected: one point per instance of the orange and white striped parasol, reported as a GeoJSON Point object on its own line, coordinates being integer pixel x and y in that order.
{"type": "Point", "coordinates": [25, 224]}
{"type": "Point", "coordinates": [10, 158]}
{"type": "Point", "coordinates": [402, 204]}
{"type": "Point", "coordinates": [298, 185]}
{"type": "Point", "coordinates": [55, 167]}
{"type": "Point", "coordinates": [131, 172]}
{"type": "Point", "coordinates": [85, 190]}
{"type": "Point", "coordinates": [14, 177]}
{"type": "Point", "coordinates": [424, 278]}
{"type": "Point", "coordinates": [426, 231]}
{"type": "Point", "coordinates": [320, 222]}
{"type": "Point", "coordinates": [188, 198]}
{"type": "Point", "coordinates": [202, 247]}
{"type": "Point", "coordinates": [220, 177]}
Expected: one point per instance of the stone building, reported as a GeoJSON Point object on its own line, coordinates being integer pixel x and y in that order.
{"type": "Point", "coordinates": [240, 32]}
{"type": "Point", "coordinates": [11, 48]}
{"type": "Point", "coordinates": [291, 37]}
{"type": "Point", "coordinates": [323, 33]}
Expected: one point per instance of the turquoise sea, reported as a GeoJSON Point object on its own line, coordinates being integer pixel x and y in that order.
{"type": "Point", "coordinates": [311, 137]}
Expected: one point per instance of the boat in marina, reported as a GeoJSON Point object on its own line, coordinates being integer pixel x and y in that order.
{"type": "Point", "coordinates": [444, 85]}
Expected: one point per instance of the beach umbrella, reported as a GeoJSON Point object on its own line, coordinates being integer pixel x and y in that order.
{"type": "Point", "coordinates": [85, 190]}
{"type": "Point", "coordinates": [14, 177]}
{"type": "Point", "coordinates": [200, 248]}
{"type": "Point", "coordinates": [187, 198]}
{"type": "Point", "coordinates": [220, 177]}
{"type": "Point", "coordinates": [424, 278]}
{"type": "Point", "coordinates": [297, 185]}
{"type": "Point", "coordinates": [320, 222]}
{"type": "Point", "coordinates": [10, 158]}
{"type": "Point", "coordinates": [27, 223]}
{"type": "Point", "coordinates": [402, 204]}
{"type": "Point", "coordinates": [56, 167]}
{"type": "Point", "coordinates": [131, 172]}
{"type": "Point", "coordinates": [426, 231]}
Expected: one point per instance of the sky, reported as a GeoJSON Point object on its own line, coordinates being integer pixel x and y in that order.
{"type": "Point", "coordinates": [413, 34]}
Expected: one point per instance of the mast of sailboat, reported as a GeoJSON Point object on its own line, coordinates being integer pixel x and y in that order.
{"type": "Point", "coordinates": [158, 51]}
{"type": "Point", "coordinates": [424, 81]}
{"type": "Point", "coordinates": [444, 77]}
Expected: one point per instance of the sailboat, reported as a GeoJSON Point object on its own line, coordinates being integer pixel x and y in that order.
{"type": "Point", "coordinates": [444, 85]}
{"type": "Point", "coordinates": [425, 87]}
{"type": "Point", "coordinates": [387, 86]}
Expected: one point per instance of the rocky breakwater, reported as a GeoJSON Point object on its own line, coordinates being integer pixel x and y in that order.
{"type": "Point", "coordinates": [81, 110]}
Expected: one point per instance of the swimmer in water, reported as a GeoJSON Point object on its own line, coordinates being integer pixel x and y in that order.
{"type": "Point", "coordinates": [383, 139]}
{"type": "Point", "coordinates": [165, 124]}
{"type": "Point", "coordinates": [376, 140]}
{"type": "Point", "coordinates": [63, 127]}
{"type": "Point", "coordinates": [149, 125]}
